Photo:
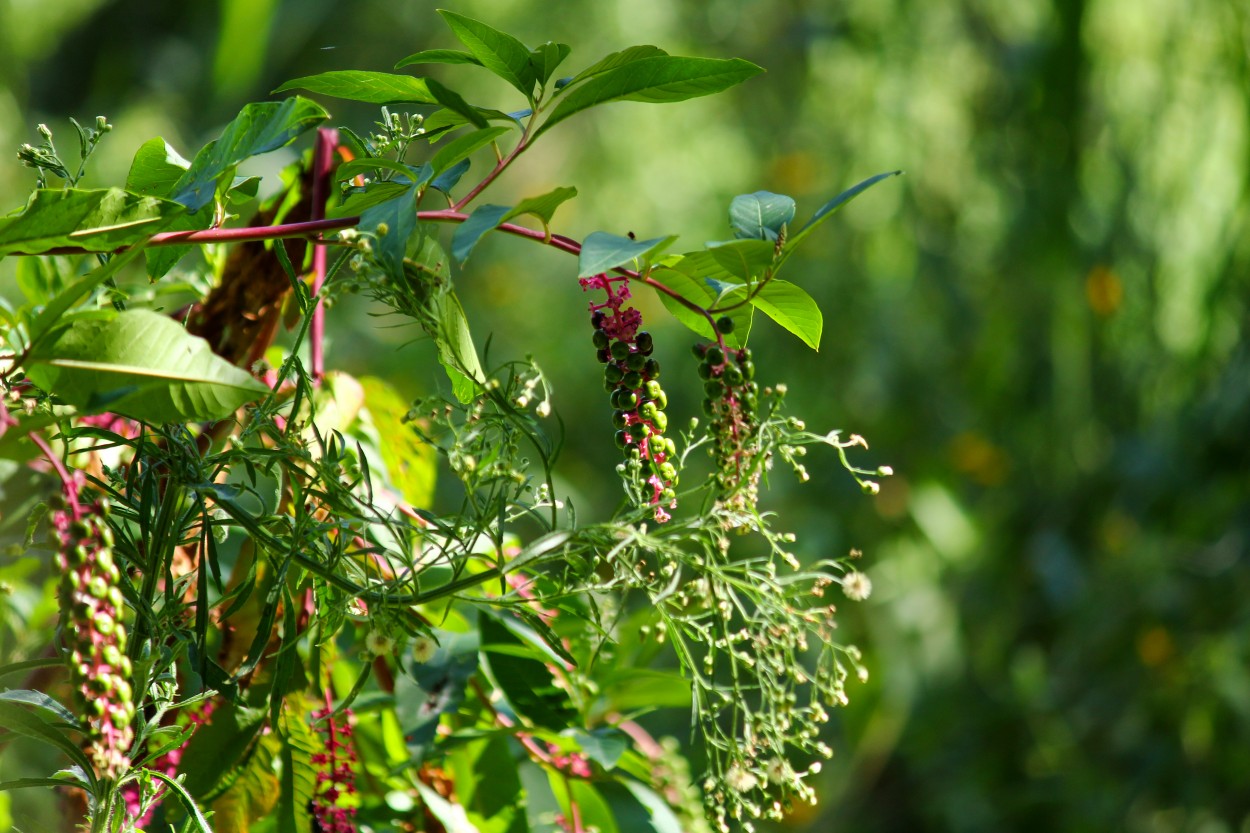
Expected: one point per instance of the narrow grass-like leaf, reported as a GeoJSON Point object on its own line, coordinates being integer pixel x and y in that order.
{"type": "Point", "coordinates": [658, 79]}
{"type": "Point", "coordinates": [498, 51]}
{"type": "Point", "coordinates": [42, 701]}
{"type": "Point", "coordinates": [602, 251]}
{"type": "Point", "coordinates": [259, 128]}
{"type": "Point", "coordinates": [792, 308]}
{"type": "Point", "coordinates": [760, 216]}
{"type": "Point", "coordinates": [438, 56]}
{"type": "Point", "coordinates": [97, 220]}
{"type": "Point", "coordinates": [142, 365]}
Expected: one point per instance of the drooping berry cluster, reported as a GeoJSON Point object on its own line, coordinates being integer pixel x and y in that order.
{"type": "Point", "coordinates": [730, 398]}
{"type": "Point", "coordinates": [631, 376]}
{"type": "Point", "coordinates": [94, 635]}
{"type": "Point", "coordinates": [336, 778]}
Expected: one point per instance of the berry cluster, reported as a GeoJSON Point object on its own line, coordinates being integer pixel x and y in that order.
{"type": "Point", "coordinates": [730, 398]}
{"type": "Point", "coordinates": [336, 778]}
{"type": "Point", "coordinates": [631, 376]}
{"type": "Point", "coordinates": [95, 638]}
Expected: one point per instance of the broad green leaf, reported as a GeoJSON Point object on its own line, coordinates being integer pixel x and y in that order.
{"type": "Point", "coordinates": [662, 78]}
{"type": "Point", "coordinates": [617, 59]}
{"type": "Point", "coordinates": [430, 689]}
{"type": "Point", "coordinates": [155, 169]}
{"type": "Point", "coordinates": [760, 216]}
{"type": "Point", "coordinates": [366, 86]}
{"type": "Point", "coordinates": [602, 251]}
{"type": "Point", "coordinates": [697, 290]}
{"type": "Point", "coordinates": [453, 101]}
{"type": "Point", "coordinates": [604, 745]}
{"type": "Point", "coordinates": [356, 167]}
{"type": "Point", "coordinates": [54, 313]}
{"type": "Point", "coordinates": [443, 121]}
{"type": "Point", "coordinates": [375, 194]}
{"type": "Point", "coordinates": [544, 59]}
{"type": "Point", "coordinates": [17, 719]}
{"type": "Point", "coordinates": [487, 785]}
{"type": "Point", "coordinates": [836, 203]}
{"type": "Point", "coordinates": [663, 819]}
{"type": "Point", "coordinates": [399, 218]}
{"type": "Point", "coordinates": [642, 689]}
{"type": "Point", "coordinates": [438, 56]}
{"type": "Point", "coordinates": [744, 259]}
{"type": "Point", "coordinates": [592, 808]}
{"type": "Point", "coordinates": [792, 308]}
{"type": "Point", "coordinates": [543, 207]}
{"type": "Point", "coordinates": [483, 219]}
{"type": "Point", "coordinates": [462, 146]}
{"type": "Point", "coordinates": [160, 259]}
{"type": "Point", "coordinates": [97, 220]}
{"type": "Point", "coordinates": [455, 349]}
{"type": "Point", "coordinates": [142, 365]}
{"type": "Point", "coordinates": [259, 128]}
{"type": "Point", "coordinates": [499, 52]}
{"type": "Point", "coordinates": [447, 179]}
{"type": "Point", "coordinates": [523, 676]}
{"type": "Point", "coordinates": [411, 463]}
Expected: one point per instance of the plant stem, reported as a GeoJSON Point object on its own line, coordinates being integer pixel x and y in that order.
{"type": "Point", "coordinates": [323, 167]}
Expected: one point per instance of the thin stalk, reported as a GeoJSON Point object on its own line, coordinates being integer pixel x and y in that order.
{"type": "Point", "coordinates": [323, 167]}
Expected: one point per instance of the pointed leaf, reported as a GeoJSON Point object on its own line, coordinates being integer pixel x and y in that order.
{"type": "Point", "coordinates": [155, 169]}
{"type": "Point", "coordinates": [523, 675]}
{"type": "Point", "coordinates": [399, 217]}
{"type": "Point", "coordinates": [547, 57]}
{"type": "Point", "coordinates": [663, 78]}
{"type": "Point", "coordinates": [375, 194]}
{"type": "Point", "coordinates": [411, 464]}
{"type": "Point", "coordinates": [447, 179]}
{"type": "Point", "coordinates": [438, 56]}
{"type": "Point", "coordinates": [542, 207]}
{"type": "Point", "coordinates": [792, 308]}
{"type": "Point", "coordinates": [455, 349]}
{"type": "Point", "coordinates": [760, 216]}
{"type": "Point", "coordinates": [366, 86]}
{"type": "Point", "coordinates": [499, 52]}
{"type": "Point", "coordinates": [744, 259]}
{"type": "Point", "coordinates": [453, 101]}
{"type": "Point", "coordinates": [483, 219]}
{"type": "Point", "coordinates": [616, 59]}
{"type": "Point", "coordinates": [142, 365]}
{"type": "Point", "coordinates": [462, 146]}
{"type": "Point", "coordinates": [259, 128]}
{"type": "Point", "coordinates": [602, 251]}
{"type": "Point", "coordinates": [98, 220]}
{"type": "Point", "coordinates": [17, 719]}
{"type": "Point", "coordinates": [676, 275]}
{"type": "Point", "coordinates": [40, 701]}
{"type": "Point", "coordinates": [836, 203]}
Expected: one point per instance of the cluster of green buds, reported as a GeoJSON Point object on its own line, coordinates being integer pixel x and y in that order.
{"type": "Point", "coordinates": [93, 633]}
{"type": "Point", "coordinates": [730, 400]}
{"type": "Point", "coordinates": [631, 376]}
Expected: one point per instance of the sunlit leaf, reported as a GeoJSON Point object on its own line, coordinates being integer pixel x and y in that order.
{"type": "Point", "coordinates": [546, 58]}
{"type": "Point", "coordinates": [834, 204]}
{"type": "Point", "coordinates": [462, 146]}
{"type": "Point", "coordinates": [662, 78]}
{"type": "Point", "coordinates": [543, 206]}
{"type": "Point", "coordinates": [760, 216]}
{"type": "Point", "coordinates": [453, 101]}
{"type": "Point", "coordinates": [687, 281]}
{"type": "Point", "coordinates": [602, 251]}
{"type": "Point", "coordinates": [438, 56]}
{"type": "Point", "coordinates": [98, 220]}
{"type": "Point", "coordinates": [498, 51]}
{"type": "Point", "coordinates": [616, 59]}
{"type": "Point", "coordinates": [792, 308]}
{"type": "Point", "coordinates": [142, 365]}
{"type": "Point", "coordinates": [483, 219]}
{"type": "Point", "coordinates": [155, 168]}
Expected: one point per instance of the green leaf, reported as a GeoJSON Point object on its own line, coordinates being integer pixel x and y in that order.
{"type": "Point", "coordinates": [438, 56]}
{"type": "Point", "coordinates": [662, 78]}
{"type": "Point", "coordinates": [594, 810]}
{"type": "Point", "coordinates": [523, 675]}
{"type": "Point", "coordinates": [97, 220]}
{"type": "Point", "coordinates": [744, 259]}
{"type": "Point", "coordinates": [363, 85]}
{"type": "Point", "coordinates": [644, 689]}
{"type": "Point", "coordinates": [356, 167]}
{"type": "Point", "coordinates": [546, 58]}
{"type": "Point", "coordinates": [760, 216]}
{"type": "Point", "coordinates": [375, 193]}
{"type": "Point", "coordinates": [836, 203]}
{"type": "Point", "coordinates": [435, 687]}
{"type": "Point", "coordinates": [455, 349]}
{"type": "Point", "coordinates": [604, 745]}
{"type": "Point", "coordinates": [792, 308]}
{"type": "Point", "coordinates": [40, 700]}
{"type": "Point", "coordinates": [499, 52]}
{"type": "Point", "coordinates": [488, 786]}
{"type": "Point", "coordinates": [447, 179]}
{"type": "Point", "coordinates": [453, 101]}
{"type": "Point", "coordinates": [602, 251]}
{"type": "Point", "coordinates": [543, 207]}
{"type": "Point", "coordinates": [399, 216]}
{"type": "Point", "coordinates": [175, 786]}
{"type": "Point", "coordinates": [663, 819]}
{"type": "Point", "coordinates": [53, 314]}
{"type": "Point", "coordinates": [142, 365]}
{"type": "Point", "coordinates": [259, 128]}
{"type": "Point", "coordinates": [17, 719]}
{"type": "Point", "coordinates": [483, 219]}
{"type": "Point", "coordinates": [676, 276]}
{"type": "Point", "coordinates": [411, 464]}
{"type": "Point", "coordinates": [462, 146]}
{"type": "Point", "coordinates": [155, 169]}
{"type": "Point", "coordinates": [617, 59]}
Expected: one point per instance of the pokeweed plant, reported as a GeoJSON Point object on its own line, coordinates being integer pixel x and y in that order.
{"type": "Point", "coordinates": [266, 619]}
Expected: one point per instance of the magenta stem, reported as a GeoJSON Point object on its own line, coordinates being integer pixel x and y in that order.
{"type": "Point", "coordinates": [67, 480]}
{"type": "Point", "coordinates": [323, 168]}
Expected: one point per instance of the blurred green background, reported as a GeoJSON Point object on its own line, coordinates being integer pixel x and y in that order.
{"type": "Point", "coordinates": [1040, 327]}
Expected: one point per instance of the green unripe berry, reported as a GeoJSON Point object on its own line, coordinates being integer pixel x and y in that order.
{"type": "Point", "coordinates": [621, 439]}
{"type": "Point", "coordinates": [645, 343]}
{"type": "Point", "coordinates": [661, 400]}
{"type": "Point", "coordinates": [648, 411]}
{"type": "Point", "coordinates": [668, 471]}
{"type": "Point", "coordinates": [632, 380]}
{"type": "Point", "coordinates": [619, 351]}
{"type": "Point", "coordinates": [732, 375]}
{"type": "Point", "coordinates": [709, 407]}
{"type": "Point", "coordinates": [724, 324]}
{"type": "Point", "coordinates": [636, 361]}
{"type": "Point", "coordinates": [652, 369]}
{"type": "Point", "coordinates": [715, 356]}
{"type": "Point", "coordinates": [638, 430]}
{"type": "Point", "coordinates": [748, 369]}
{"type": "Point", "coordinates": [613, 374]}
{"type": "Point", "coordinates": [660, 420]}
{"type": "Point", "coordinates": [653, 389]}
{"type": "Point", "coordinates": [705, 370]}
{"type": "Point", "coordinates": [699, 350]}
{"type": "Point", "coordinates": [603, 355]}
{"type": "Point", "coordinates": [714, 388]}
{"type": "Point", "coordinates": [618, 419]}
{"type": "Point", "coordinates": [600, 339]}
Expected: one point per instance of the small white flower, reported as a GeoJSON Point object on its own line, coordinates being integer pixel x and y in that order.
{"type": "Point", "coordinates": [856, 586]}
{"type": "Point", "coordinates": [423, 648]}
{"type": "Point", "coordinates": [378, 643]}
{"type": "Point", "coordinates": [740, 780]}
